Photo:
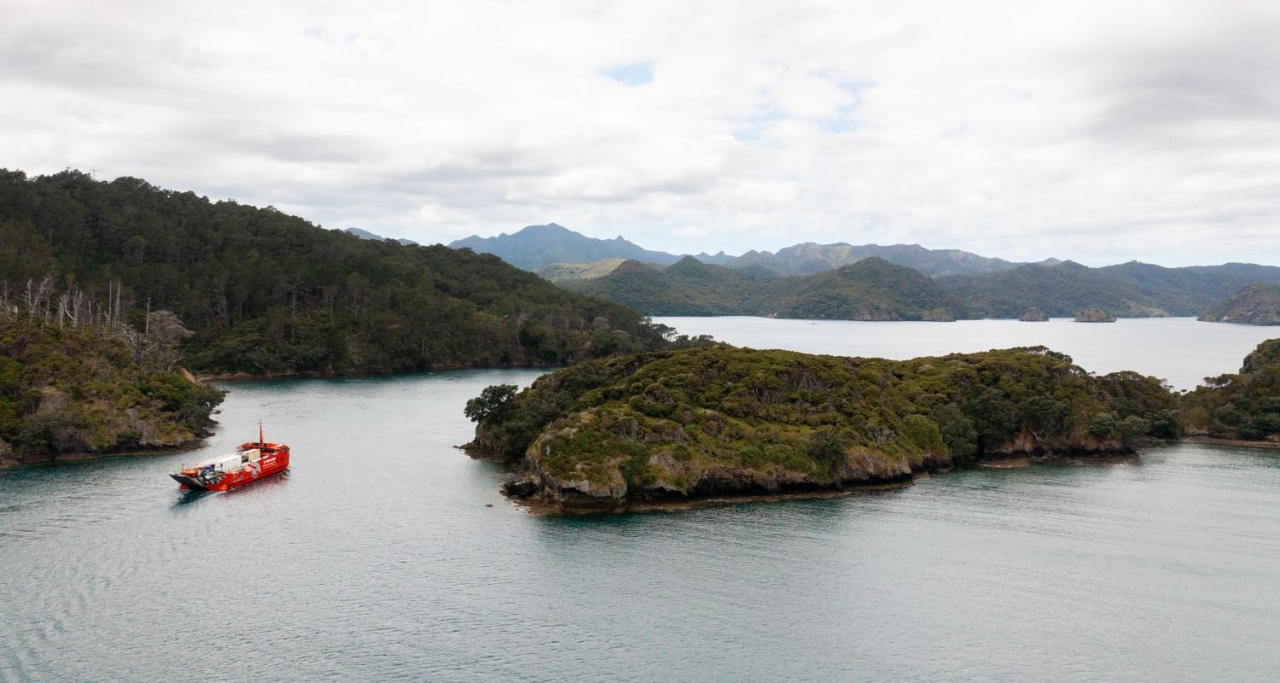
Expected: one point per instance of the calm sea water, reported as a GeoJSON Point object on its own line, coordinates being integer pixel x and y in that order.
{"type": "Point", "coordinates": [378, 558]}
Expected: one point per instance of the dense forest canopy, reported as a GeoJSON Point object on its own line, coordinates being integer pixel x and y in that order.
{"type": "Point", "coordinates": [1244, 405]}
{"type": "Point", "coordinates": [267, 293]}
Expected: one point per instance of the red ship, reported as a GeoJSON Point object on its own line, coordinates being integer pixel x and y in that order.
{"type": "Point", "coordinates": [252, 460]}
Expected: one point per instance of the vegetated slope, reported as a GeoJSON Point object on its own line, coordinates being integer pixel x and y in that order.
{"type": "Point", "coordinates": [1244, 405]}
{"type": "Point", "coordinates": [538, 246]}
{"type": "Point", "coordinates": [1256, 304]}
{"type": "Point", "coordinates": [264, 292]}
{"type": "Point", "coordinates": [1126, 290]}
{"type": "Point", "coordinates": [560, 273]}
{"type": "Point", "coordinates": [688, 287]}
{"type": "Point", "coordinates": [67, 390]}
{"type": "Point", "coordinates": [809, 258]}
{"type": "Point", "coordinates": [871, 289]}
{"type": "Point", "coordinates": [723, 421]}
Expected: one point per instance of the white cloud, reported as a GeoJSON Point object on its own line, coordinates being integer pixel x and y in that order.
{"type": "Point", "coordinates": [1092, 131]}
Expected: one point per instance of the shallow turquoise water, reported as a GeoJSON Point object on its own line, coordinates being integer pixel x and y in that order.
{"type": "Point", "coordinates": [377, 558]}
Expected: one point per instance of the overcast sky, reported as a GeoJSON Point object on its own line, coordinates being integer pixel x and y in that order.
{"type": "Point", "coordinates": [1097, 131]}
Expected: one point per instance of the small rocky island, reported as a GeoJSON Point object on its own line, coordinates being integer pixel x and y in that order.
{"type": "Point", "coordinates": [1033, 315]}
{"type": "Point", "coordinates": [657, 428]}
{"type": "Point", "coordinates": [1093, 314]}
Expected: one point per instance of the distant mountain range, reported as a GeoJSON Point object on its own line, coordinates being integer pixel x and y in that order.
{"type": "Point", "coordinates": [366, 235]}
{"type": "Point", "coordinates": [540, 246]}
{"type": "Point", "coordinates": [873, 289]}
{"type": "Point", "coordinates": [869, 282]}
{"type": "Point", "coordinates": [810, 258]}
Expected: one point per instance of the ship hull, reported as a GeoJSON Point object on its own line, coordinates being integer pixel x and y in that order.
{"type": "Point", "coordinates": [268, 459]}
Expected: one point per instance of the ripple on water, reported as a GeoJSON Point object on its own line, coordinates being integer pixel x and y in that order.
{"type": "Point", "coordinates": [383, 564]}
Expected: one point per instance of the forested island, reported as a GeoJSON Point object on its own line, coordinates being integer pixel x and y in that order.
{"type": "Point", "coordinates": [655, 428]}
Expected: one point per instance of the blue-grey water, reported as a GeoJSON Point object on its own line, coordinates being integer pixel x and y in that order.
{"type": "Point", "coordinates": [378, 558]}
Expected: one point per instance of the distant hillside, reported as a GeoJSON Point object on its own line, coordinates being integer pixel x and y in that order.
{"type": "Point", "coordinates": [1127, 290]}
{"type": "Point", "coordinates": [874, 289]}
{"type": "Point", "coordinates": [810, 258]}
{"type": "Point", "coordinates": [538, 246]}
{"type": "Point", "coordinates": [561, 272]}
{"type": "Point", "coordinates": [688, 287]}
{"type": "Point", "coordinates": [366, 235]}
{"type": "Point", "coordinates": [871, 289]}
{"type": "Point", "coordinates": [1256, 304]}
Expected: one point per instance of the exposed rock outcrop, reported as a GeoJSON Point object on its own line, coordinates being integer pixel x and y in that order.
{"type": "Point", "coordinates": [1093, 314]}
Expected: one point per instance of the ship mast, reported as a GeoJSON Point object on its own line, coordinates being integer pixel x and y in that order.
{"type": "Point", "coordinates": [260, 439]}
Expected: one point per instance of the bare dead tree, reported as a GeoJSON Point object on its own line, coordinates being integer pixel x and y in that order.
{"type": "Point", "coordinates": [37, 295]}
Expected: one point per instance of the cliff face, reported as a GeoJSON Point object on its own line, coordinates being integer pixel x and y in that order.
{"type": "Point", "coordinates": [714, 422]}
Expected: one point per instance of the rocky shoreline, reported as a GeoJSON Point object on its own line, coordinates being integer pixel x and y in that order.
{"type": "Point", "coordinates": [532, 492]}
{"type": "Point", "coordinates": [528, 491]}
{"type": "Point", "coordinates": [67, 458]}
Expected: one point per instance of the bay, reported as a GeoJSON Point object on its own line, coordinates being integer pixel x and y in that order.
{"type": "Point", "coordinates": [377, 556]}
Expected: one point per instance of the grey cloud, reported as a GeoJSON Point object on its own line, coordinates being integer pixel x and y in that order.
{"type": "Point", "coordinates": [1159, 92]}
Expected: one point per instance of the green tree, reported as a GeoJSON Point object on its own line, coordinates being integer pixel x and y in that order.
{"type": "Point", "coordinates": [493, 405]}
